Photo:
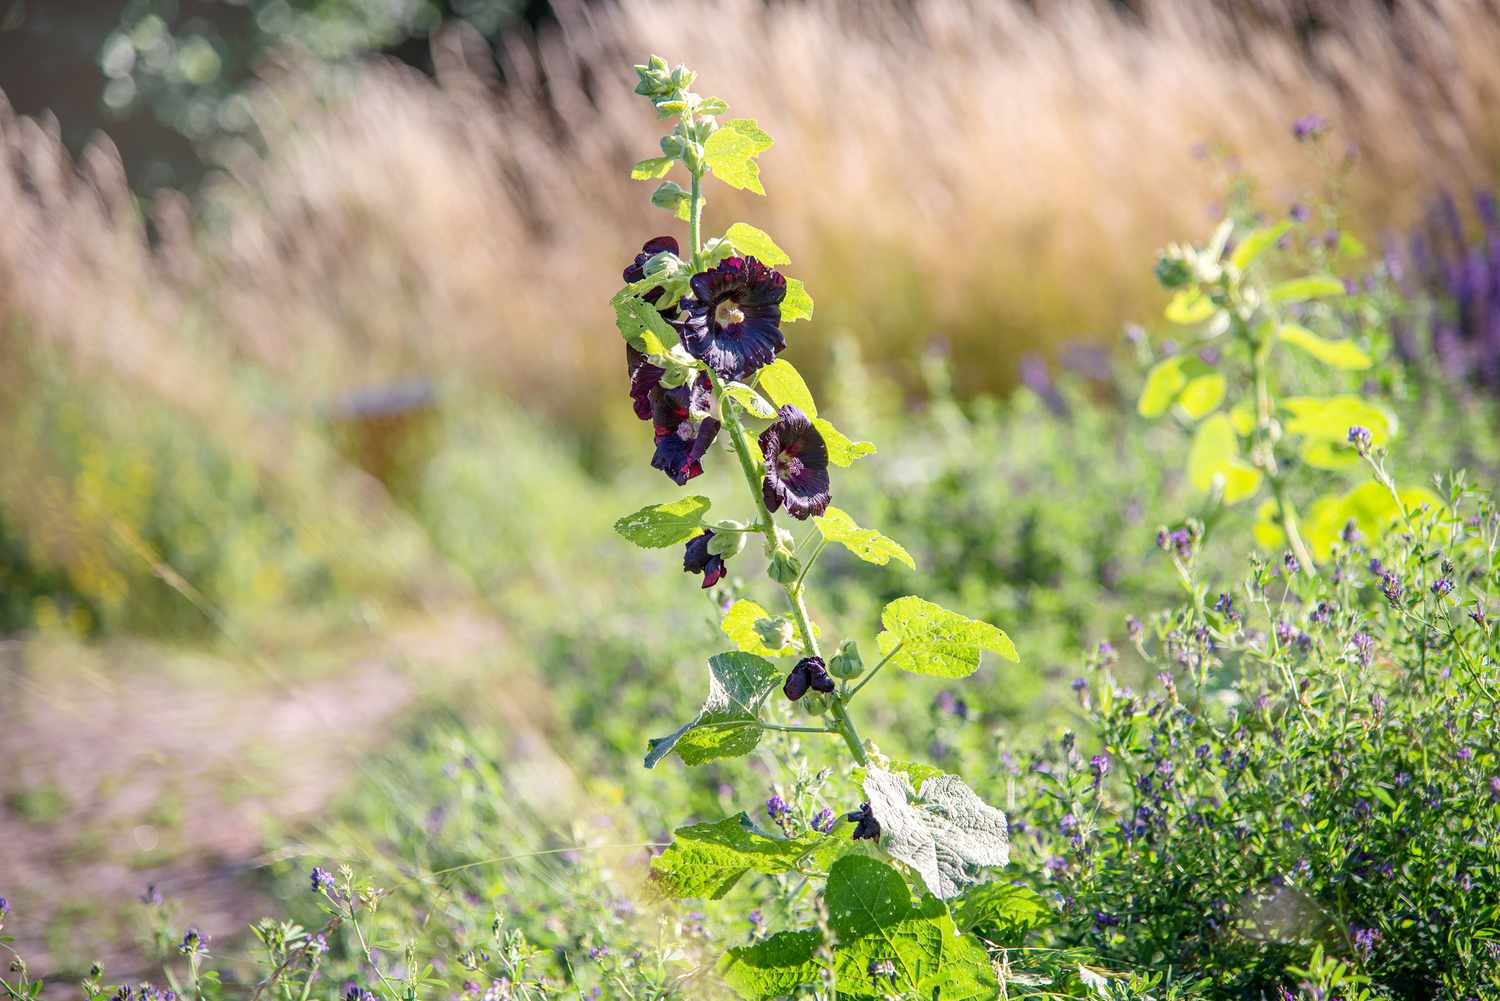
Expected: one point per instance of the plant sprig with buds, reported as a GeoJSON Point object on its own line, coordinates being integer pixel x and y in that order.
{"type": "Point", "coordinates": [703, 332]}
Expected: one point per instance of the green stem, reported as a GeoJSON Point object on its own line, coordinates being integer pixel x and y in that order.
{"type": "Point", "coordinates": [873, 671]}
{"type": "Point", "coordinates": [695, 222]}
{"type": "Point", "coordinates": [1265, 454]}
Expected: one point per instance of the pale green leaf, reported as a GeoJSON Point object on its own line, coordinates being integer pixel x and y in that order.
{"type": "Point", "coordinates": [726, 726]}
{"type": "Point", "coordinates": [1301, 289]}
{"type": "Point", "coordinates": [752, 401]}
{"type": "Point", "coordinates": [784, 385]}
{"type": "Point", "coordinates": [650, 170]}
{"type": "Point", "coordinates": [661, 525]}
{"type": "Point", "coordinates": [945, 832]}
{"type": "Point", "coordinates": [1201, 395]}
{"type": "Point", "coordinates": [1256, 242]}
{"type": "Point", "coordinates": [797, 305]}
{"type": "Point", "coordinates": [739, 625]}
{"type": "Point", "coordinates": [756, 243]}
{"type": "Point", "coordinates": [938, 642]}
{"type": "Point", "coordinates": [730, 154]}
{"type": "Point", "coordinates": [1331, 417]}
{"type": "Point", "coordinates": [1342, 354]}
{"type": "Point", "coordinates": [706, 860]}
{"type": "Point", "coordinates": [1189, 306]}
{"type": "Point", "coordinates": [837, 525]}
{"type": "Point", "coordinates": [1163, 382]}
{"type": "Point", "coordinates": [643, 327]}
{"type": "Point", "coordinates": [1214, 457]}
{"type": "Point", "coordinates": [842, 451]}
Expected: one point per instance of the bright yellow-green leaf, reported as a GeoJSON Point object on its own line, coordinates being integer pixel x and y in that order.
{"type": "Point", "coordinates": [730, 153]}
{"type": "Point", "coordinates": [1188, 306]}
{"type": "Point", "coordinates": [1342, 354]}
{"type": "Point", "coordinates": [784, 385]}
{"type": "Point", "coordinates": [1301, 289]}
{"type": "Point", "coordinates": [1201, 395]}
{"type": "Point", "coordinates": [842, 451]}
{"type": "Point", "coordinates": [1267, 530]}
{"type": "Point", "coordinates": [1323, 453]}
{"type": "Point", "coordinates": [650, 170]}
{"type": "Point", "coordinates": [797, 305]}
{"type": "Point", "coordinates": [1242, 418]}
{"type": "Point", "coordinates": [750, 400]}
{"type": "Point", "coordinates": [756, 243]}
{"type": "Point", "coordinates": [1256, 242]}
{"type": "Point", "coordinates": [938, 642]}
{"type": "Point", "coordinates": [661, 525]}
{"type": "Point", "coordinates": [1331, 417]}
{"type": "Point", "coordinates": [1214, 457]}
{"type": "Point", "coordinates": [1163, 383]}
{"type": "Point", "coordinates": [836, 525]}
{"type": "Point", "coordinates": [739, 625]}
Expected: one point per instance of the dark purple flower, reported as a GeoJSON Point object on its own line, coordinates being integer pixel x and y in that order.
{"type": "Point", "coordinates": [733, 321]}
{"type": "Point", "coordinates": [697, 559]}
{"type": "Point", "coordinates": [1309, 127]}
{"type": "Point", "coordinates": [680, 441]}
{"type": "Point", "coordinates": [810, 672]}
{"type": "Point", "coordinates": [644, 377]}
{"type": "Point", "coordinates": [865, 825]}
{"type": "Point", "coordinates": [636, 271]}
{"type": "Point", "coordinates": [322, 880]}
{"type": "Point", "coordinates": [796, 465]}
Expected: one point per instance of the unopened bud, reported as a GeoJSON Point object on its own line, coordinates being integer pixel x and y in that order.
{"type": "Point", "coordinates": [776, 633]}
{"type": "Point", "coordinates": [726, 544]}
{"type": "Point", "coordinates": [785, 568]}
{"type": "Point", "coordinates": [692, 156]}
{"type": "Point", "coordinates": [846, 662]}
{"type": "Point", "coordinates": [815, 703]}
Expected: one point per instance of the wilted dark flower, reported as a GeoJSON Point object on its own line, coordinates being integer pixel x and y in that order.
{"type": "Point", "coordinates": [697, 559]}
{"type": "Point", "coordinates": [733, 319]}
{"type": "Point", "coordinates": [322, 880]}
{"type": "Point", "coordinates": [865, 825]}
{"type": "Point", "coordinates": [1309, 127]}
{"type": "Point", "coordinates": [680, 442]}
{"type": "Point", "coordinates": [644, 377]}
{"type": "Point", "coordinates": [796, 465]}
{"type": "Point", "coordinates": [810, 672]}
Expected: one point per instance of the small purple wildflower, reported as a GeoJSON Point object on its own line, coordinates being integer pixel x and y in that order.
{"type": "Point", "coordinates": [1465, 754]}
{"type": "Point", "coordinates": [1477, 613]}
{"type": "Point", "coordinates": [1291, 565]}
{"type": "Point", "coordinates": [1361, 439]}
{"type": "Point", "coordinates": [192, 944]}
{"type": "Point", "coordinates": [824, 821]}
{"type": "Point", "coordinates": [1442, 587]}
{"type": "Point", "coordinates": [322, 879]}
{"type": "Point", "coordinates": [1364, 941]}
{"type": "Point", "coordinates": [151, 896]}
{"type": "Point", "coordinates": [1364, 646]}
{"type": "Point", "coordinates": [1099, 764]}
{"type": "Point", "coordinates": [598, 952]}
{"type": "Point", "coordinates": [756, 918]}
{"type": "Point", "coordinates": [776, 807]}
{"type": "Point", "coordinates": [1309, 127]}
{"type": "Point", "coordinates": [1391, 587]}
{"type": "Point", "coordinates": [1298, 212]}
{"type": "Point", "coordinates": [4, 907]}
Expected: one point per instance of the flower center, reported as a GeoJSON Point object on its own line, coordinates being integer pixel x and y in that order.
{"type": "Point", "coordinates": [788, 465]}
{"type": "Point", "coordinates": [728, 313]}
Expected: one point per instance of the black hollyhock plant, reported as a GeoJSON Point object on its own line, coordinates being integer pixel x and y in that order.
{"type": "Point", "coordinates": [697, 559]}
{"type": "Point", "coordinates": [796, 465]}
{"type": "Point", "coordinates": [865, 825]}
{"type": "Point", "coordinates": [733, 321]}
{"type": "Point", "coordinates": [809, 673]}
{"type": "Point", "coordinates": [680, 442]}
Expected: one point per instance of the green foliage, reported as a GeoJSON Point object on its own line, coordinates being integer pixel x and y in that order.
{"type": "Point", "coordinates": [784, 385]}
{"type": "Point", "coordinates": [927, 639]}
{"type": "Point", "coordinates": [944, 831]}
{"type": "Point", "coordinates": [706, 860]}
{"type": "Point", "coordinates": [731, 151]}
{"type": "Point", "coordinates": [756, 243]}
{"type": "Point", "coordinates": [726, 726]}
{"type": "Point", "coordinates": [866, 543]}
{"type": "Point", "coordinates": [658, 525]}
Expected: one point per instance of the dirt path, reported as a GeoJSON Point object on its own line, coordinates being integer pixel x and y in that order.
{"type": "Point", "coordinates": [116, 774]}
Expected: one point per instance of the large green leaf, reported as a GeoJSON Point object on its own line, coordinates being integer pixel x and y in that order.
{"type": "Point", "coordinates": [659, 525]}
{"type": "Point", "coordinates": [774, 967]}
{"type": "Point", "coordinates": [837, 525]}
{"type": "Point", "coordinates": [797, 305]}
{"type": "Point", "coordinates": [1185, 380]}
{"type": "Point", "coordinates": [1002, 913]}
{"type": "Point", "coordinates": [842, 450]}
{"type": "Point", "coordinates": [784, 385]}
{"type": "Point", "coordinates": [1215, 456]}
{"type": "Point", "coordinates": [642, 326]}
{"type": "Point", "coordinates": [936, 641]}
{"type": "Point", "coordinates": [945, 832]}
{"type": "Point", "coordinates": [753, 402]}
{"type": "Point", "coordinates": [706, 860]}
{"type": "Point", "coordinates": [650, 170]}
{"type": "Point", "coordinates": [875, 923]}
{"type": "Point", "coordinates": [726, 726]}
{"type": "Point", "coordinates": [1339, 354]}
{"type": "Point", "coordinates": [756, 243]}
{"type": "Point", "coordinates": [1331, 417]}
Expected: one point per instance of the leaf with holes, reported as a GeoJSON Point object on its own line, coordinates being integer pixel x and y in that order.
{"type": "Point", "coordinates": [837, 525]}
{"type": "Point", "coordinates": [945, 831]}
{"type": "Point", "coordinates": [659, 525]}
{"type": "Point", "coordinates": [706, 860]}
{"type": "Point", "coordinates": [842, 450]}
{"type": "Point", "coordinates": [727, 725]}
{"type": "Point", "coordinates": [936, 641]}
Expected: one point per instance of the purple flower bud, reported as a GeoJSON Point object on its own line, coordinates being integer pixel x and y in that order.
{"type": "Point", "coordinates": [1391, 587]}
{"type": "Point", "coordinates": [1442, 587]}
{"type": "Point", "coordinates": [776, 807]}
{"type": "Point", "coordinates": [1361, 439]}
{"type": "Point", "coordinates": [322, 880]}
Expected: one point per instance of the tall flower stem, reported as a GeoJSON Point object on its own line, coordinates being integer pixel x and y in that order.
{"type": "Point", "coordinates": [794, 591]}
{"type": "Point", "coordinates": [695, 222]}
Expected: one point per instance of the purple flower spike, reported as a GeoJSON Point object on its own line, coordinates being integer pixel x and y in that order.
{"type": "Point", "coordinates": [796, 465]}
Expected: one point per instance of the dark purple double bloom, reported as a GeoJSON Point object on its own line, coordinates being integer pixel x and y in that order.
{"type": "Point", "coordinates": [796, 465]}
{"type": "Point", "coordinates": [733, 322]}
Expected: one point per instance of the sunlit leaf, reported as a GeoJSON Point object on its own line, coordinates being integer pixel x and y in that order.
{"type": "Point", "coordinates": [726, 726]}
{"type": "Point", "coordinates": [752, 401]}
{"type": "Point", "coordinates": [1189, 306]}
{"type": "Point", "coordinates": [842, 451]}
{"type": "Point", "coordinates": [706, 860]}
{"type": "Point", "coordinates": [660, 525]}
{"type": "Point", "coordinates": [1331, 417]}
{"type": "Point", "coordinates": [945, 832]}
{"type": "Point", "coordinates": [1302, 289]}
{"type": "Point", "coordinates": [936, 641]}
{"type": "Point", "coordinates": [797, 305]}
{"type": "Point", "coordinates": [1342, 354]}
{"type": "Point", "coordinates": [650, 170]}
{"type": "Point", "coordinates": [739, 625]}
{"type": "Point", "coordinates": [752, 242]}
{"type": "Point", "coordinates": [869, 545]}
{"type": "Point", "coordinates": [1256, 242]}
{"type": "Point", "coordinates": [784, 385]}
{"type": "Point", "coordinates": [1214, 457]}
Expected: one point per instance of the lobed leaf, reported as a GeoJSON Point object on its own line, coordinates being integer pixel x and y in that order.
{"type": "Point", "coordinates": [1331, 417]}
{"type": "Point", "coordinates": [706, 860]}
{"type": "Point", "coordinates": [945, 832]}
{"type": "Point", "coordinates": [842, 451]}
{"type": "Point", "coordinates": [937, 642]}
{"type": "Point", "coordinates": [775, 967]}
{"type": "Point", "coordinates": [659, 525]}
{"type": "Point", "coordinates": [726, 726]}
{"type": "Point", "coordinates": [731, 151]}
{"type": "Point", "coordinates": [739, 625]}
{"type": "Point", "coordinates": [797, 305]}
{"type": "Point", "coordinates": [752, 242]}
{"type": "Point", "coordinates": [1341, 354]}
{"type": "Point", "coordinates": [642, 326]}
{"type": "Point", "coordinates": [837, 525]}
{"type": "Point", "coordinates": [784, 384]}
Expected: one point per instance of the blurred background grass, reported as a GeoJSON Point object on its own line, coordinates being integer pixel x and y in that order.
{"type": "Point", "coordinates": [316, 382]}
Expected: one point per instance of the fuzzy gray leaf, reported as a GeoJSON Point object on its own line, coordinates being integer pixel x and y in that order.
{"type": "Point", "coordinates": [945, 832]}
